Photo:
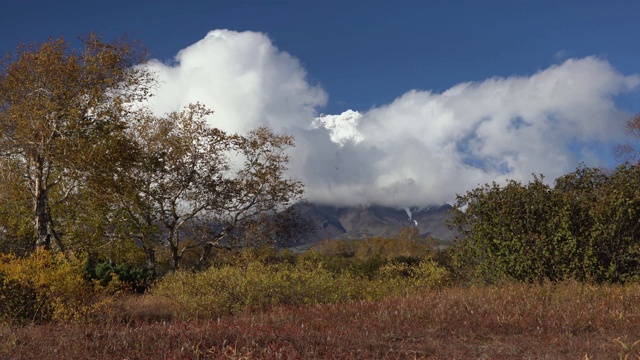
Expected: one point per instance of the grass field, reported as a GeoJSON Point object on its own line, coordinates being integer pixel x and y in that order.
{"type": "Point", "coordinates": [510, 321]}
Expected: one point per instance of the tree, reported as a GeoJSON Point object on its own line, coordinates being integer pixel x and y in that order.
{"type": "Point", "coordinates": [194, 184]}
{"type": "Point", "coordinates": [259, 186]}
{"type": "Point", "coordinates": [285, 228]}
{"type": "Point", "coordinates": [63, 113]}
{"type": "Point", "coordinates": [16, 230]}
{"type": "Point", "coordinates": [629, 152]}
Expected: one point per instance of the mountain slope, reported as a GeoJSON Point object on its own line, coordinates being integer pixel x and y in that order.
{"type": "Point", "coordinates": [331, 222]}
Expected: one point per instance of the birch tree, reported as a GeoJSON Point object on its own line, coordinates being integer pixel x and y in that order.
{"type": "Point", "coordinates": [63, 111]}
{"type": "Point", "coordinates": [194, 177]}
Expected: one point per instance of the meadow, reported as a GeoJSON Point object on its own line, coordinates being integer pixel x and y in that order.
{"type": "Point", "coordinates": [306, 309]}
{"type": "Point", "coordinates": [549, 321]}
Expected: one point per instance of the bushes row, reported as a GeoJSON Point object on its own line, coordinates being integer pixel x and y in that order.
{"type": "Point", "coordinates": [51, 287]}
{"type": "Point", "coordinates": [229, 289]}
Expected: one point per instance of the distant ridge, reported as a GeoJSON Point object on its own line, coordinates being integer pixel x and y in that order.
{"type": "Point", "coordinates": [358, 222]}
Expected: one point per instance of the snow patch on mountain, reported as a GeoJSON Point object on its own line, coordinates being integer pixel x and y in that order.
{"type": "Point", "coordinates": [409, 213]}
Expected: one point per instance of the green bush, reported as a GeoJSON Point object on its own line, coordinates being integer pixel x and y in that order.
{"type": "Point", "coordinates": [360, 267]}
{"type": "Point", "coordinates": [133, 278]}
{"type": "Point", "coordinates": [407, 243]}
{"type": "Point", "coordinates": [584, 228]}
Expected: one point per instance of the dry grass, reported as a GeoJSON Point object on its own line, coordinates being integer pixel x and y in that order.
{"type": "Point", "coordinates": [562, 321]}
{"type": "Point", "coordinates": [145, 309]}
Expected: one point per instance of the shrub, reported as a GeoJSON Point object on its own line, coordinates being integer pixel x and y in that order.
{"type": "Point", "coordinates": [406, 243]}
{"type": "Point", "coordinates": [257, 286]}
{"type": "Point", "coordinates": [130, 278]}
{"type": "Point", "coordinates": [425, 274]}
{"type": "Point", "coordinates": [584, 228]}
{"type": "Point", "coordinates": [45, 286]}
{"type": "Point", "coordinates": [360, 267]}
{"type": "Point", "coordinates": [18, 302]}
{"type": "Point", "coordinates": [430, 274]}
{"type": "Point", "coordinates": [231, 289]}
{"type": "Point", "coordinates": [241, 257]}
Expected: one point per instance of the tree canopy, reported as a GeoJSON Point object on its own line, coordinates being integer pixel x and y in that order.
{"type": "Point", "coordinates": [87, 167]}
{"type": "Point", "coordinates": [191, 175]}
{"type": "Point", "coordinates": [62, 116]}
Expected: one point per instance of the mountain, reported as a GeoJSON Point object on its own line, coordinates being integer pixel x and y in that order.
{"type": "Point", "coordinates": [332, 222]}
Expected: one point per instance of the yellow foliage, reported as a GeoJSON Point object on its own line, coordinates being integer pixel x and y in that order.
{"type": "Point", "coordinates": [56, 284]}
{"type": "Point", "coordinates": [231, 289]}
{"type": "Point", "coordinates": [428, 274]}
{"type": "Point", "coordinates": [257, 285]}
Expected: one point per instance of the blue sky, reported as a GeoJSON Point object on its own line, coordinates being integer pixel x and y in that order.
{"type": "Point", "coordinates": [435, 83]}
{"type": "Point", "coordinates": [363, 53]}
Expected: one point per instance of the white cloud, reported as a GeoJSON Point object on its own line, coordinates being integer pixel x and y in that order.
{"type": "Point", "coordinates": [424, 147]}
{"type": "Point", "coordinates": [343, 128]}
{"type": "Point", "coordinates": [420, 149]}
{"type": "Point", "coordinates": [243, 77]}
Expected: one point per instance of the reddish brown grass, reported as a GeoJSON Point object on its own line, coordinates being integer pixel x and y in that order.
{"type": "Point", "coordinates": [512, 321]}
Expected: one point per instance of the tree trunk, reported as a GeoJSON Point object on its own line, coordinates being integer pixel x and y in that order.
{"type": "Point", "coordinates": [174, 246]}
{"type": "Point", "coordinates": [41, 219]}
{"type": "Point", "coordinates": [175, 257]}
{"type": "Point", "coordinates": [204, 256]}
{"type": "Point", "coordinates": [150, 254]}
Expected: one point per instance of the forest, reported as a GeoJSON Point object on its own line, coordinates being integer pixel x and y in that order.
{"type": "Point", "coordinates": [128, 233]}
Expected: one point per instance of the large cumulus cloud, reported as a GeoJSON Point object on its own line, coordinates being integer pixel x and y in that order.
{"type": "Point", "coordinates": [425, 146]}
{"type": "Point", "coordinates": [243, 77]}
{"type": "Point", "coordinates": [420, 149]}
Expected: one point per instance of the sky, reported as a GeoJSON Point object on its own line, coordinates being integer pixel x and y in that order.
{"type": "Point", "coordinates": [402, 103]}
